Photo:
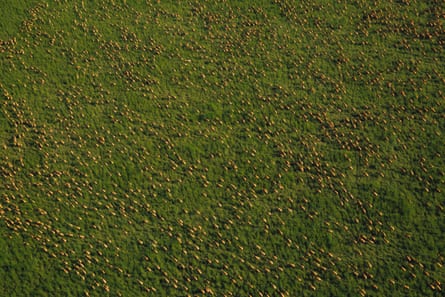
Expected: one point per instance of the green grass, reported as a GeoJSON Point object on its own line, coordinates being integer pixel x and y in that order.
{"type": "Point", "coordinates": [233, 148]}
{"type": "Point", "coordinates": [13, 16]}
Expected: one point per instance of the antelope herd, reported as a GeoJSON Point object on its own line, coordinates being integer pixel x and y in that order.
{"type": "Point", "coordinates": [228, 149]}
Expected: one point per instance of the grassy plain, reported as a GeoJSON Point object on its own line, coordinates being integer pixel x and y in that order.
{"type": "Point", "coordinates": [227, 148]}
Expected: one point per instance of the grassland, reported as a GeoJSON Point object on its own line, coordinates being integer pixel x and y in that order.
{"type": "Point", "coordinates": [226, 148]}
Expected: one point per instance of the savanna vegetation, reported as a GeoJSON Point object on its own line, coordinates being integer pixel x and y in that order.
{"type": "Point", "coordinates": [226, 148]}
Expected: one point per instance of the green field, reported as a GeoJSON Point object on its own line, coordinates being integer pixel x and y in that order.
{"type": "Point", "coordinates": [222, 148]}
